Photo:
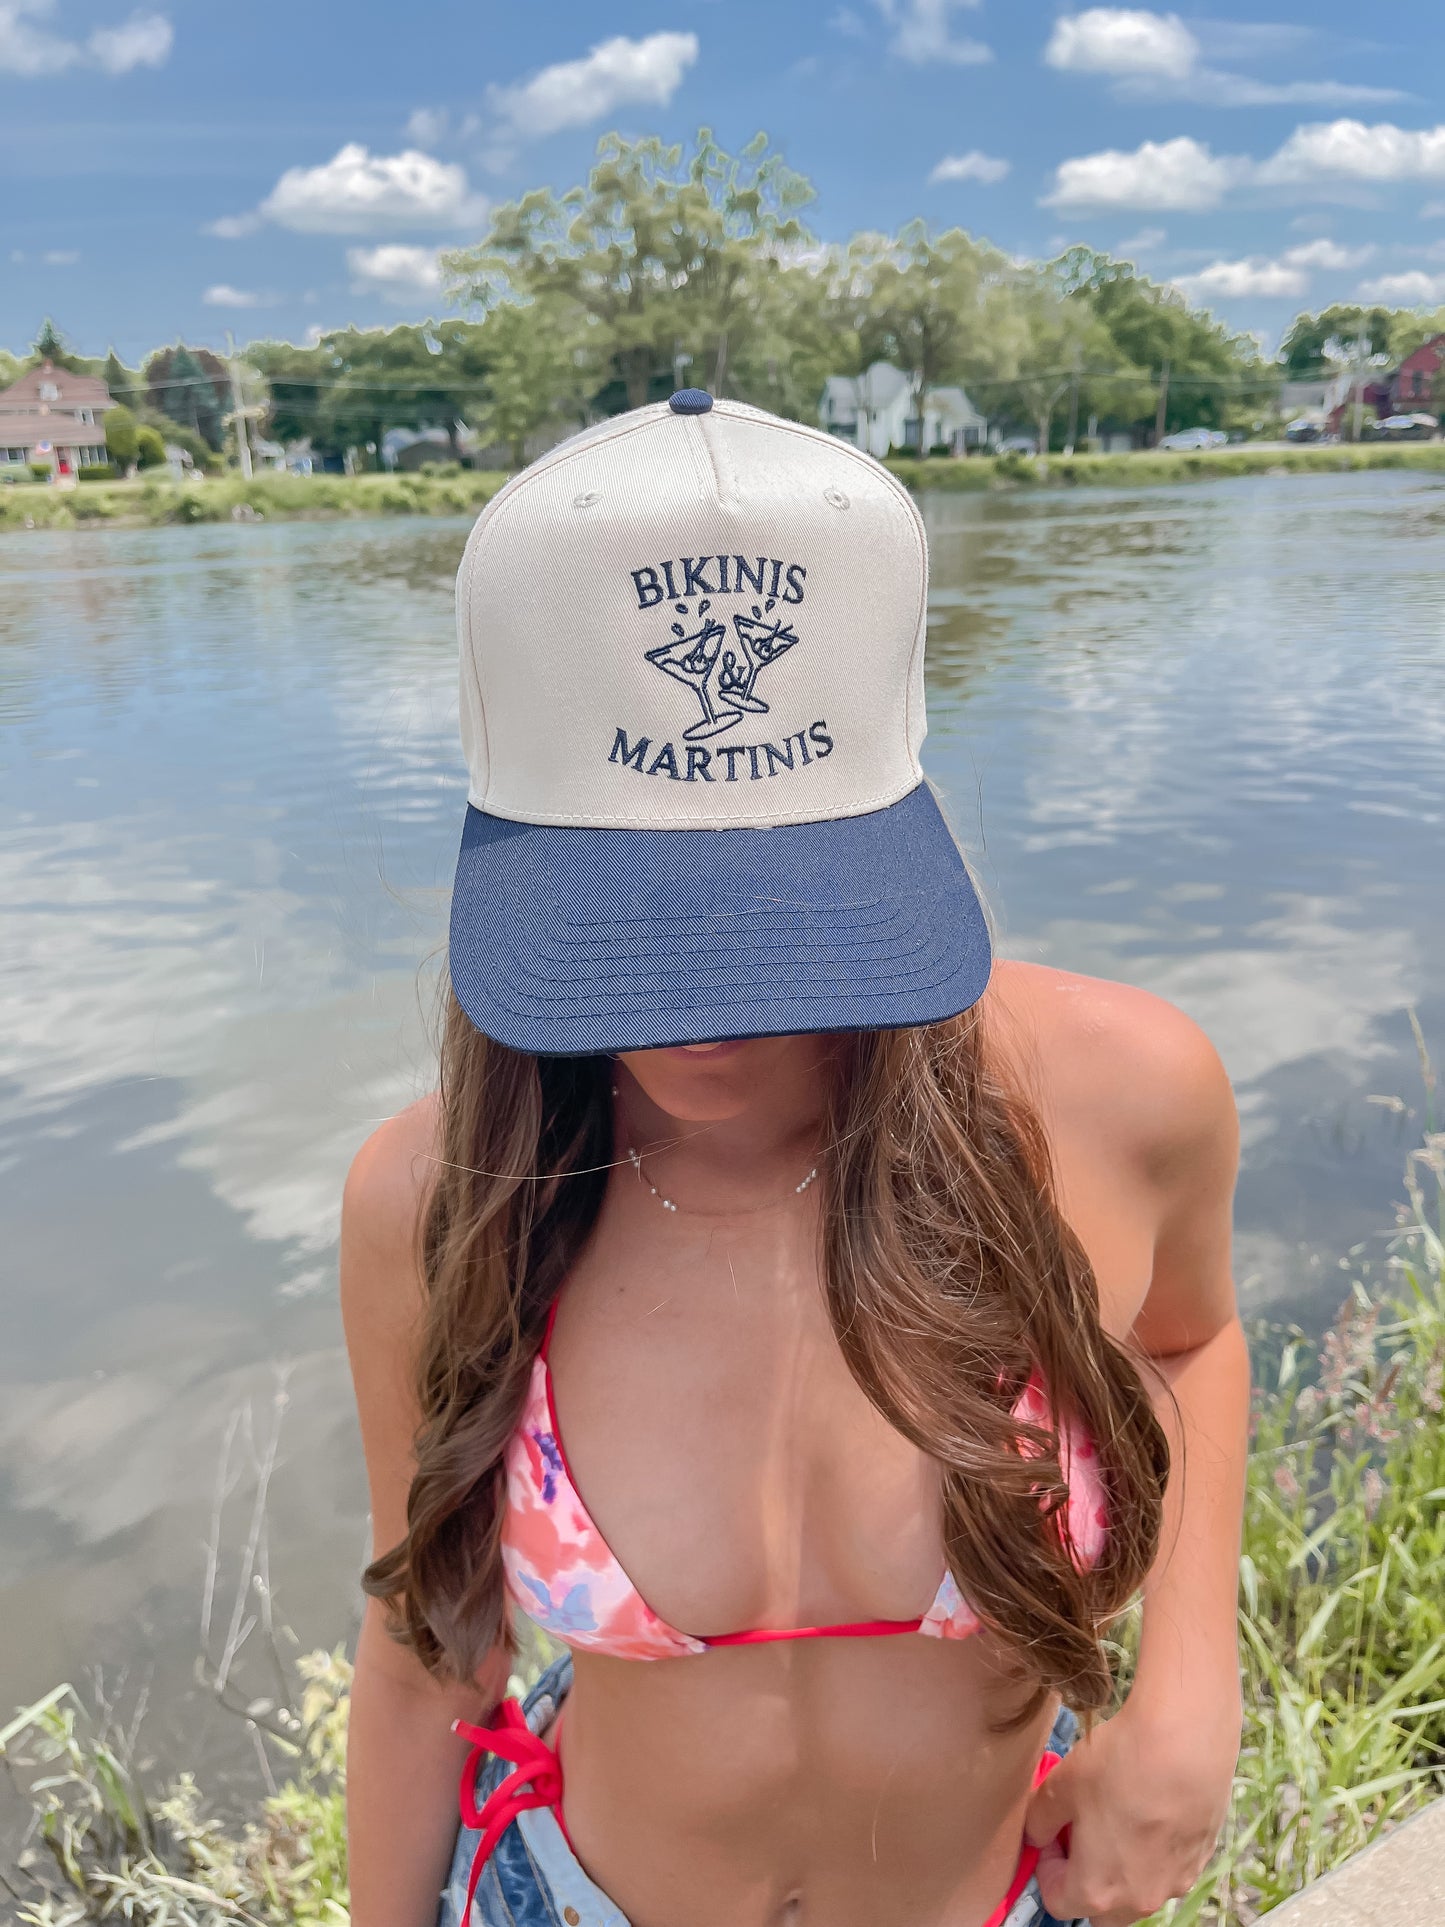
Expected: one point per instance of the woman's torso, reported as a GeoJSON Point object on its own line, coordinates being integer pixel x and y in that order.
{"type": "Point", "coordinates": [742, 1480]}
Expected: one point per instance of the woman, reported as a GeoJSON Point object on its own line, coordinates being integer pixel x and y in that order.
{"type": "Point", "coordinates": [891, 1337]}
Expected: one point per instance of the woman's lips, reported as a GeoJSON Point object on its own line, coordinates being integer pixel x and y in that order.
{"type": "Point", "coordinates": [727, 1048]}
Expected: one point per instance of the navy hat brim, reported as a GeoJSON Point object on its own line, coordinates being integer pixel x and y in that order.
{"type": "Point", "coordinates": [567, 940]}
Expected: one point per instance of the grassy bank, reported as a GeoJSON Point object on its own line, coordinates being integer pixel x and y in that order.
{"type": "Point", "coordinates": [1152, 468]}
{"type": "Point", "coordinates": [148, 503]}
{"type": "Point", "coordinates": [161, 503]}
{"type": "Point", "coordinates": [1342, 1628]}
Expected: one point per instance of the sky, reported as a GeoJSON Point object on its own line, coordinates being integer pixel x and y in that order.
{"type": "Point", "coordinates": [178, 169]}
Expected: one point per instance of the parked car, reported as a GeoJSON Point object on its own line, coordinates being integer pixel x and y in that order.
{"type": "Point", "coordinates": [1193, 438]}
{"type": "Point", "coordinates": [1305, 428]}
{"type": "Point", "coordinates": [1407, 428]}
{"type": "Point", "coordinates": [1018, 445]}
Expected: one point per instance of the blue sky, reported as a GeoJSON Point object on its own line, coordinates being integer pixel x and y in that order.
{"type": "Point", "coordinates": [178, 169]}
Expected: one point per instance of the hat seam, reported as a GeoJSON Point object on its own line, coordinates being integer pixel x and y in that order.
{"type": "Point", "coordinates": [767, 819]}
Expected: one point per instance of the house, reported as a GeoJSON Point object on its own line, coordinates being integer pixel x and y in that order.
{"type": "Point", "coordinates": [1413, 383]}
{"type": "Point", "coordinates": [876, 411]}
{"type": "Point", "coordinates": [55, 418]}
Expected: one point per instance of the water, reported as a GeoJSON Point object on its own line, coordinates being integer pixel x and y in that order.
{"type": "Point", "coordinates": [1194, 738]}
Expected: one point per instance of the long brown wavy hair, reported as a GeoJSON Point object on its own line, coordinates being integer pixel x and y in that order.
{"type": "Point", "coordinates": [951, 1278]}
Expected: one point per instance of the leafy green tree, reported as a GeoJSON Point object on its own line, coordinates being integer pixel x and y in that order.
{"type": "Point", "coordinates": [122, 436]}
{"type": "Point", "coordinates": [658, 255]}
{"type": "Point", "coordinates": [919, 303]}
{"type": "Point", "coordinates": [535, 377]}
{"type": "Point", "coordinates": [11, 368]}
{"type": "Point", "coordinates": [383, 378]}
{"type": "Point", "coordinates": [297, 379]}
{"type": "Point", "coordinates": [150, 447]}
{"type": "Point", "coordinates": [1313, 341]}
{"type": "Point", "coordinates": [1211, 369]}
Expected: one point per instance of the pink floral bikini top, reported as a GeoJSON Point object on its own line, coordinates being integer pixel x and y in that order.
{"type": "Point", "coordinates": [563, 1574]}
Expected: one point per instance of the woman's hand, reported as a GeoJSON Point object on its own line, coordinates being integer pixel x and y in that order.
{"type": "Point", "coordinates": [1143, 1799]}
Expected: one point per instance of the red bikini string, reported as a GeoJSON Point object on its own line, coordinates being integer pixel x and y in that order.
{"type": "Point", "coordinates": [1028, 1858]}
{"type": "Point", "coordinates": [536, 1781]}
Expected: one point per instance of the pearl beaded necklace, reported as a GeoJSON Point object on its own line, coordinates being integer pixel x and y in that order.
{"type": "Point", "coordinates": [634, 1158]}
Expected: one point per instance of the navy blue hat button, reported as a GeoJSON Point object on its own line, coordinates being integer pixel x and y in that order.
{"type": "Point", "coordinates": [690, 401]}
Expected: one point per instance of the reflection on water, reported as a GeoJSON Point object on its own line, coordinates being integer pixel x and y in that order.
{"type": "Point", "coordinates": [1194, 739]}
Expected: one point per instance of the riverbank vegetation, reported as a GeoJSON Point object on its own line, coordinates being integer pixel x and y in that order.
{"type": "Point", "coordinates": [670, 265]}
{"type": "Point", "coordinates": [1342, 1627]}
{"type": "Point", "coordinates": [449, 490]}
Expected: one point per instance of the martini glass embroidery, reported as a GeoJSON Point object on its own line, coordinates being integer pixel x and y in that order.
{"type": "Point", "coordinates": [722, 678]}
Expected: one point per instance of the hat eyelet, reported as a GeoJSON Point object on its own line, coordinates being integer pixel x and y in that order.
{"type": "Point", "coordinates": [836, 498]}
{"type": "Point", "coordinates": [589, 498]}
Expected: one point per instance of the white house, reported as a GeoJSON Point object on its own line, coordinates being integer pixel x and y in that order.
{"type": "Point", "coordinates": [876, 411]}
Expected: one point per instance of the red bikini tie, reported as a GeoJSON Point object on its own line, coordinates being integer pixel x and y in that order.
{"type": "Point", "coordinates": [1029, 1858]}
{"type": "Point", "coordinates": [536, 1782]}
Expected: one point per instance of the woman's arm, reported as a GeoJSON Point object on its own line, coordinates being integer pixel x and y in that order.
{"type": "Point", "coordinates": [402, 1760]}
{"type": "Point", "coordinates": [1146, 1793]}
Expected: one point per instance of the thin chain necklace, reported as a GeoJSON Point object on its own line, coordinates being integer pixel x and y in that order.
{"type": "Point", "coordinates": [634, 1158]}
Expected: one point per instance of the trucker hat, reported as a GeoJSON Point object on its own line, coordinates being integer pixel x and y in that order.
{"type": "Point", "coordinates": [692, 706]}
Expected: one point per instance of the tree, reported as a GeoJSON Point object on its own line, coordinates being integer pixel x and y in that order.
{"type": "Point", "coordinates": [1313, 341]}
{"type": "Point", "coordinates": [124, 386]}
{"type": "Point", "coordinates": [150, 447]}
{"type": "Point", "coordinates": [50, 345]}
{"type": "Point", "coordinates": [190, 386]}
{"type": "Point", "coordinates": [122, 436]}
{"type": "Point", "coordinates": [297, 379]}
{"type": "Point", "coordinates": [655, 257]}
{"type": "Point", "coordinates": [1211, 370]}
{"type": "Point", "coordinates": [919, 301]}
{"type": "Point", "coordinates": [534, 377]}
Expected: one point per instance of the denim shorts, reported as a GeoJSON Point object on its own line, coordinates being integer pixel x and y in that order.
{"type": "Point", "coordinates": [534, 1879]}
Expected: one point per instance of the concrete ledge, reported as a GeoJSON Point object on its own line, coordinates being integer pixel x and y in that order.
{"type": "Point", "coordinates": [1397, 1882]}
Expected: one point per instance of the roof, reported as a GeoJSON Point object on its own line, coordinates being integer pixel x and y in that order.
{"type": "Point", "coordinates": [29, 426]}
{"type": "Point", "coordinates": [1428, 355]}
{"type": "Point", "coordinates": [76, 391]}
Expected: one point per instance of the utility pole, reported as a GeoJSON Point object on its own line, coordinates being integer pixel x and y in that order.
{"type": "Point", "coordinates": [238, 413]}
{"type": "Point", "coordinates": [1360, 357]}
{"type": "Point", "coordinates": [1073, 433]}
{"type": "Point", "coordinates": [1162, 412]}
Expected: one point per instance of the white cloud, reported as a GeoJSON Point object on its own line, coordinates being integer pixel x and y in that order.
{"type": "Point", "coordinates": [1433, 211]}
{"type": "Point", "coordinates": [1263, 278]}
{"type": "Point", "coordinates": [1180, 173]}
{"type": "Point", "coordinates": [616, 73]}
{"type": "Point", "coordinates": [357, 192]}
{"type": "Point", "coordinates": [60, 257]}
{"type": "Point", "coordinates": [33, 49]}
{"type": "Point", "coordinates": [1144, 242]}
{"type": "Point", "coordinates": [1236, 280]}
{"type": "Point", "coordinates": [144, 40]}
{"type": "Point", "coordinates": [922, 33]}
{"type": "Point", "coordinates": [1156, 53]}
{"type": "Point", "coordinates": [1325, 253]}
{"type": "Point", "coordinates": [1414, 288]}
{"type": "Point", "coordinates": [847, 23]}
{"type": "Point", "coordinates": [428, 125]}
{"type": "Point", "coordinates": [1352, 150]}
{"type": "Point", "coordinates": [232, 227]}
{"type": "Point", "coordinates": [973, 166]}
{"type": "Point", "coordinates": [1122, 40]}
{"type": "Point", "coordinates": [223, 295]}
{"type": "Point", "coordinates": [394, 270]}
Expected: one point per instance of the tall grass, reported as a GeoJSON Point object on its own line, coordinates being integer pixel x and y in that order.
{"type": "Point", "coordinates": [1342, 1632]}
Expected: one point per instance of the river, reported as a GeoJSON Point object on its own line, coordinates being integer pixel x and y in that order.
{"type": "Point", "coordinates": [1193, 738]}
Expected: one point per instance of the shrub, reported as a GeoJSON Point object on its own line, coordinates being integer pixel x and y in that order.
{"type": "Point", "coordinates": [98, 472]}
{"type": "Point", "coordinates": [150, 447]}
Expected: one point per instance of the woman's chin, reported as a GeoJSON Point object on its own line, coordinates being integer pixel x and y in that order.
{"type": "Point", "coordinates": [707, 1082]}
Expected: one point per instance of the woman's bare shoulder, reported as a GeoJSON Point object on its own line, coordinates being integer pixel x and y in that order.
{"type": "Point", "coordinates": [1110, 1057]}
{"type": "Point", "coordinates": [390, 1178]}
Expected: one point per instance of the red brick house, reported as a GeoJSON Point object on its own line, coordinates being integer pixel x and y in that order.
{"type": "Point", "coordinates": [1414, 380]}
{"type": "Point", "coordinates": [53, 417]}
